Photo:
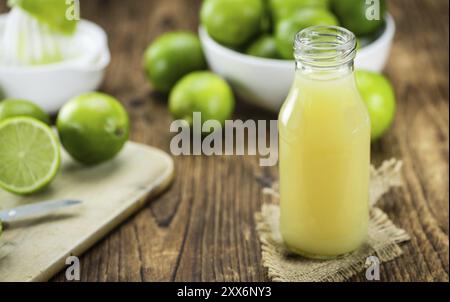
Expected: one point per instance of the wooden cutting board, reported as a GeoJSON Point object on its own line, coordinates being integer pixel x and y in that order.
{"type": "Point", "coordinates": [36, 250]}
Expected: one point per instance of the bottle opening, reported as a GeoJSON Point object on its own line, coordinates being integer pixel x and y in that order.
{"type": "Point", "coordinates": [325, 46]}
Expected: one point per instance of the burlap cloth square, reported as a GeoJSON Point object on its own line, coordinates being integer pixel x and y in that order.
{"type": "Point", "coordinates": [382, 242]}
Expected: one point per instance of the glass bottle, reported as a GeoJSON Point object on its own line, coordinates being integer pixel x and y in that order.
{"type": "Point", "coordinates": [324, 149]}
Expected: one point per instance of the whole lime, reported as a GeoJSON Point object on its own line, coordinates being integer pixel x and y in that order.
{"type": "Point", "coordinates": [202, 92]}
{"type": "Point", "coordinates": [232, 22]}
{"type": "Point", "coordinates": [93, 127]}
{"type": "Point", "coordinates": [265, 47]}
{"type": "Point", "coordinates": [266, 20]}
{"type": "Point", "coordinates": [282, 9]}
{"type": "Point", "coordinates": [288, 28]}
{"type": "Point", "coordinates": [360, 16]}
{"type": "Point", "coordinates": [170, 57]}
{"type": "Point", "coordinates": [379, 96]}
{"type": "Point", "coordinates": [10, 108]}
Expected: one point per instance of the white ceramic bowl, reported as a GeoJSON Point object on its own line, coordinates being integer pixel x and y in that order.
{"type": "Point", "coordinates": [266, 82]}
{"type": "Point", "coordinates": [52, 85]}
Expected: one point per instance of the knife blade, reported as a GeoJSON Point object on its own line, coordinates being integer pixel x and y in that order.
{"type": "Point", "coordinates": [37, 209]}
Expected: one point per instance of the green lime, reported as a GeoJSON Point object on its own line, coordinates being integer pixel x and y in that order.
{"type": "Point", "coordinates": [170, 57]}
{"type": "Point", "coordinates": [360, 16]}
{"type": "Point", "coordinates": [16, 108]}
{"type": "Point", "coordinates": [93, 127]}
{"type": "Point", "coordinates": [265, 47]}
{"type": "Point", "coordinates": [29, 155]}
{"type": "Point", "coordinates": [51, 12]}
{"type": "Point", "coordinates": [232, 22]}
{"type": "Point", "coordinates": [288, 28]}
{"type": "Point", "coordinates": [379, 97]}
{"type": "Point", "coordinates": [282, 9]}
{"type": "Point", "coordinates": [202, 92]}
{"type": "Point", "coordinates": [358, 44]}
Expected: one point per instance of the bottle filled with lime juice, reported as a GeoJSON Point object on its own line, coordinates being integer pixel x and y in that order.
{"type": "Point", "coordinates": [324, 149]}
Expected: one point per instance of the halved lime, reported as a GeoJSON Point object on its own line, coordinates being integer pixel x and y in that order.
{"type": "Point", "coordinates": [54, 13]}
{"type": "Point", "coordinates": [29, 155]}
{"type": "Point", "coordinates": [10, 108]}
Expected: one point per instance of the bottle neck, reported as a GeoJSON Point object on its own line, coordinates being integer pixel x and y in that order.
{"type": "Point", "coordinates": [325, 52]}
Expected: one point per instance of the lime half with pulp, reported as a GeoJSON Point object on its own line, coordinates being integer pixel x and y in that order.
{"type": "Point", "coordinates": [29, 155]}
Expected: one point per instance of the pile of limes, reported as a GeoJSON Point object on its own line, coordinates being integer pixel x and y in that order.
{"type": "Point", "coordinates": [92, 127]}
{"type": "Point", "coordinates": [267, 28]}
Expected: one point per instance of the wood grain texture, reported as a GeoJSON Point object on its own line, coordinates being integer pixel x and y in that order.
{"type": "Point", "coordinates": [203, 228]}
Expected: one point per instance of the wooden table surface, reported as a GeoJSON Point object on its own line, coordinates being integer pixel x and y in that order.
{"type": "Point", "coordinates": [203, 228]}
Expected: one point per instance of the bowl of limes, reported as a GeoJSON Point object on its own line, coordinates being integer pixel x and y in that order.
{"type": "Point", "coordinates": [250, 42]}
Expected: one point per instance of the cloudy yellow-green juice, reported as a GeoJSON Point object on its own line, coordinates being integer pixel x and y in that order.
{"type": "Point", "coordinates": [324, 149]}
